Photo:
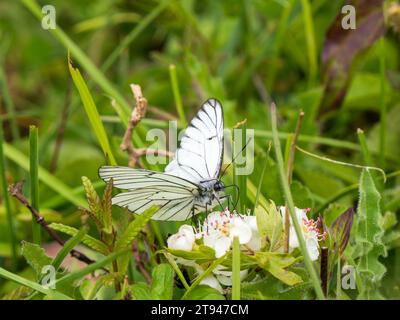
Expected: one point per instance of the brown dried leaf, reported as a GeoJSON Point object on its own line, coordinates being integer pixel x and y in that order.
{"type": "Point", "coordinates": [342, 46]}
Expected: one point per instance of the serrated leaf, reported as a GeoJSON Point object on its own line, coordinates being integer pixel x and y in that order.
{"type": "Point", "coordinates": [106, 205]}
{"type": "Point", "coordinates": [368, 237]}
{"type": "Point", "coordinates": [35, 256]}
{"type": "Point", "coordinates": [91, 242]}
{"type": "Point", "coordinates": [95, 208]}
{"type": "Point", "coordinates": [133, 229]}
{"type": "Point", "coordinates": [163, 282]}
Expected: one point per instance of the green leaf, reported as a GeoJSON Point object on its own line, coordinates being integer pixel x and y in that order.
{"type": "Point", "coordinates": [106, 206]}
{"type": "Point", "coordinates": [35, 256]}
{"type": "Point", "coordinates": [52, 294]}
{"type": "Point", "coordinates": [141, 291]}
{"type": "Point", "coordinates": [275, 263]}
{"type": "Point", "coordinates": [134, 228]}
{"type": "Point", "coordinates": [70, 277]}
{"type": "Point", "coordinates": [270, 225]}
{"type": "Point", "coordinates": [203, 292]}
{"type": "Point", "coordinates": [270, 288]}
{"type": "Point", "coordinates": [87, 240]}
{"type": "Point", "coordinates": [163, 282]}
{"type": "Point", "coordinates": [368, 237]}
{"type": "Point", "coordinates": [95, 208]}
{"type": "Point", "coordinates": [68, 246]}
{"type": "Point", "coordinates": [200, 254]}
{"type": "Point", "coordinates": [92, 112]}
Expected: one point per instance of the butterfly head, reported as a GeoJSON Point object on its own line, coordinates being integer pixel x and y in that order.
{"type": "Point", "coordinates": [219, 186]}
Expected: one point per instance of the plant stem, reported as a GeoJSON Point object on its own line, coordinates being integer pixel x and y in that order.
{"type": "Point", "coordinates": [383, 113]}
{"type": "Point", "coordinates": [289, 171]}
{"type": "Point", "coordinates": [289, 199]}
{"type": "Point", "coordinates": [34, 179]}
{"type": "Point", "coordinates": [364, 147]}
{"type": "Point", "coordinates": [310, 39]}
{"type": "Point", "coordinates": [7, 203]}
{"type": "Point", "coordinates": [177, 95]}
{"type": "Point", "coordinates": [324, 270]}
{"type": "Point", "coordinates": [236, 269]}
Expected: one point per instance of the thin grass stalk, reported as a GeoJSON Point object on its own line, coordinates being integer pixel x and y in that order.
{"type": "Point", "coordinates": [383, 106]}
{"type": "Point", "coordinates": [289, 199]}
{"type": "Point", "coordinates": [236, 269]}
{"type": "Point", "coordinates": [177, 95]}
{"type": "Point", "coordinates": [310, 40]}
{"type": "Point", "coordinates": [7, 202]}
{"type": "Point", "coordinates": [34, 180]}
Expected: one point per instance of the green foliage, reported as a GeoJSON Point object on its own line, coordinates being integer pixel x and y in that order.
{"type": "Point", "coordinates": [35, 256]}
{"type": "Point", "coordinates": [82, 106]}
{"type": "Point", "coordinates": [275, 263]}
{"type": "Point", "coordinates": [204, 293]}
{"type": "Point", "coordinates": [91, 242]}
{"type": "Point", "coordinates": [161, 287]}
{"type": "Point", "coordinates": [368, 237]}
{"type": "Point", "coordinates": [133, 229]}
{"type": "Point", "coordinates": [270, 225]}
{"type": "Point", "coordinates": [200, 254]}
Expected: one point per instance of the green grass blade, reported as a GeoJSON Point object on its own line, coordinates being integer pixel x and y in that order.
{"type": "Point", "coordinates": [236, 269]}
{"type": "Point", "coordinates": [7, 203]}
{"type": "Point", "coordinates": [289, 199]}
{"type": "Point", "coordinates": [177, 95]}
{"type": "Point", "coordinates": [68, 246]}
{"type": "Point", "coordinates": [34, 180]}
{"type": "Point", "coordinates": [383, 106]}
{"type": "Point", "coordinates": [364, 148]}
{"type": "Point", "coordinates": [92, 112]}
{"type": "Point", "coordinates": [44, 176]}
{"type": "Point", "coordinates": [310, 40]}
{"type": "Point", "coordinates": [70, 277]}
{"type": "Point", "coordinates": [33, 285]}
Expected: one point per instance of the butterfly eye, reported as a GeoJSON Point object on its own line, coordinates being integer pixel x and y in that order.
{"type": "Point", "coordinates": [219, 186]}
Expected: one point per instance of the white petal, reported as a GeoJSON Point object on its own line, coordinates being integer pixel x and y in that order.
{"type": "Point", "coordinates": [312, 248]}
{"type": "Point", "coordinates": [179, 242]}
{"type": "Point", "coordinates": [225, 277]}
{"type": "Point", "coordinates": [241, 230]}
{"type": "Point", "coordinates": [293, 240]}
{"type": "Point", "coordinates": [221, 246]}
{"type": "Point", "coordinates": [188, 232]}
{"type": "Point", "coordinates": [212, 282]}
{"type": "Point", "coordinates": [255, 242]}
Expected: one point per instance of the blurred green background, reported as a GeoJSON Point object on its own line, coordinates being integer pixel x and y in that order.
{"type": "Point", "coordinates": [223, 49]}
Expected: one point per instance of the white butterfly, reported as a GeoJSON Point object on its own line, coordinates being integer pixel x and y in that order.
{"type": "Point", "coordinates": [190, 182]}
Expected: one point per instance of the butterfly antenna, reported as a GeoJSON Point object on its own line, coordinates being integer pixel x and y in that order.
{"type": "Point", "coordinates": [234, 158]}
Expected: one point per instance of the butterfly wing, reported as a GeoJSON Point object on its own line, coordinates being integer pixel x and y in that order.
{"type": "Point", "coordinates": [174, 195]}
{"type": "Point", "coordinates": [199, 156]}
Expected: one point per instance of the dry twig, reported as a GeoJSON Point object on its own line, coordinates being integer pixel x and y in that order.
{"type": "Point", "coordinates": [16, 191]}
{"type": "Point", "coordinates": [137, 114]}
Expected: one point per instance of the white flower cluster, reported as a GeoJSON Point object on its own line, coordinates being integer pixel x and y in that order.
{"type": "Point", "coordinates": [218, 231]}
